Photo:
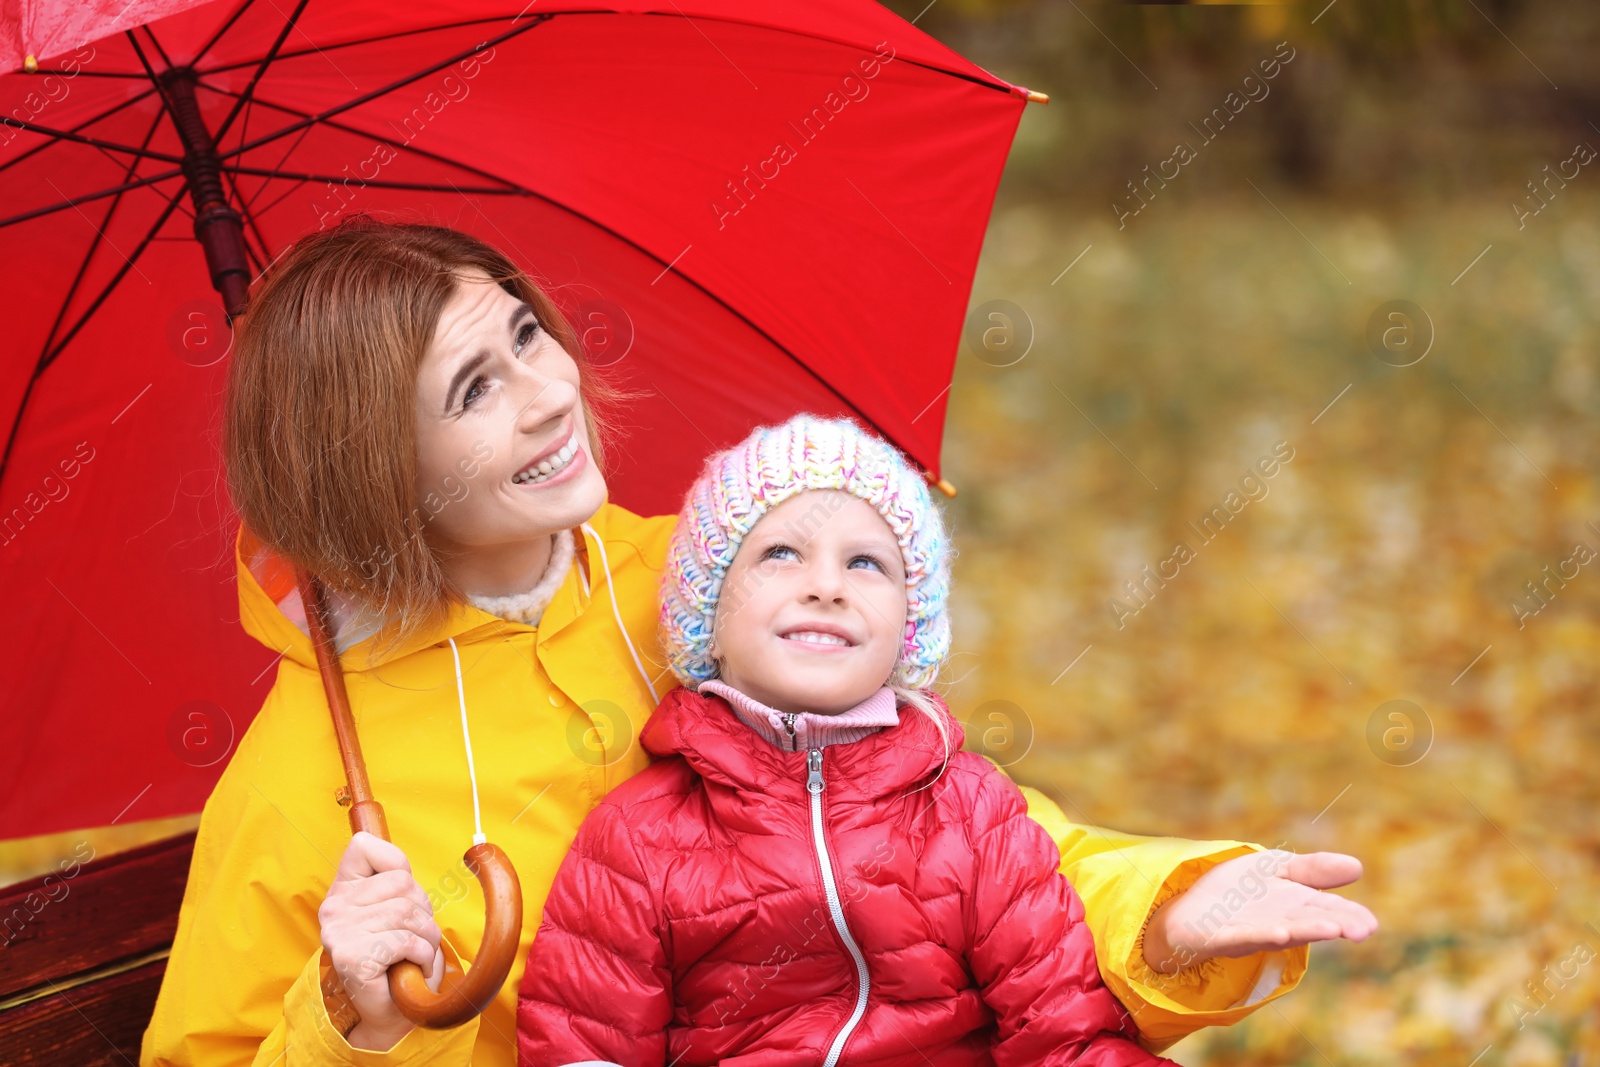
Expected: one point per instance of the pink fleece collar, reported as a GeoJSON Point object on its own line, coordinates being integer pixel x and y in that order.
{"type": "Point", "coordinates": [810, 730]}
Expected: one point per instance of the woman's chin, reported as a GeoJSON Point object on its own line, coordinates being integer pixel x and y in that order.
{"type": "Point", "coordinates": [563, 506]}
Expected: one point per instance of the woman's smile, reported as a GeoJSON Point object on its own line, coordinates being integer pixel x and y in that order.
{"type": "Point", "coordinates": [550, 465]}
{"type": "Point", "coordinates": [562, 471]}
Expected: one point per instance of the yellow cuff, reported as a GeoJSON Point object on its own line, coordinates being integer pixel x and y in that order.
{"type": "Point", "coordinates": [1193, 977]}
{"type": "Point", "coordinates": [1218, 991]}
{"type": "Point", "coordinates": [312, 1037]}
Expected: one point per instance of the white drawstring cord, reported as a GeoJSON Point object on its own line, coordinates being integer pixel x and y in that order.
{"type": "Point", "coordinates": [616, 612]}
{"type": "Point", "coordinates": [478, 837]}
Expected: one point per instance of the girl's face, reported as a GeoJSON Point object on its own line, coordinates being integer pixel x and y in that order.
{"type": "Point", "coordinates": [812, 615]}
{"type": "Point", "coordinates": [497, 405]}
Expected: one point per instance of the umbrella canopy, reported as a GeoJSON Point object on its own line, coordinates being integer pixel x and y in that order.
{"type": "Point", "coordinates": [748, 209]}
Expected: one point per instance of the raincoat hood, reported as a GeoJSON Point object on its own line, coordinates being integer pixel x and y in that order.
{"type": "Point", "coordinates": [272, 612]}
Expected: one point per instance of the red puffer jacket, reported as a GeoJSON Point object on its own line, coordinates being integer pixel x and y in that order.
{"type": "Point", "coordinates": [747, 906]}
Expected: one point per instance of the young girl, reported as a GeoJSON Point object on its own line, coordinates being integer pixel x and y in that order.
{"type": "Point", "coordinates": [812, 872]}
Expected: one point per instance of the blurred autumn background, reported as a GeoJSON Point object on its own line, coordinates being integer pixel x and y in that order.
{"type": "Point", "coordinates": [1140, 341]}
{"type": "Point", "coordinates": [1122, 373]}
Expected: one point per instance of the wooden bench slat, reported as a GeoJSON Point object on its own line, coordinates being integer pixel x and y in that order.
{"type": "Point", "coordinates": [121, 905]}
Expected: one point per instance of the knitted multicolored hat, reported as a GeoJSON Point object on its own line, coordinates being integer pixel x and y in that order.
{"type": "Point", "coordinates": [741, 484]}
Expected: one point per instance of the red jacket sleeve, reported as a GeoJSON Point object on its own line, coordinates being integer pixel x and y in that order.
{"type": "Point", "coordinates": [597, 985]}
{"type": "Point", "coordinates": [1032, 954]}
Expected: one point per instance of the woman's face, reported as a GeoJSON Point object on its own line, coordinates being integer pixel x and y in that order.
{"type": "Point", "coordinates": [502, 444]}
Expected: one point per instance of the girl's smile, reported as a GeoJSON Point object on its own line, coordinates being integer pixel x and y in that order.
{"type": "Point", "coordinates": [819, 637]}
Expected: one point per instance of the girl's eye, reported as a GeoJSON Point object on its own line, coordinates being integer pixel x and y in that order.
{"type": "Point", "coordinates": [872, 560]}
{"type": "Point", "coordinates": [525, 334]}
{"type": "Point", "coordinates": [776, 550]}
{"type": "Point", "coordinates": [473, 392]}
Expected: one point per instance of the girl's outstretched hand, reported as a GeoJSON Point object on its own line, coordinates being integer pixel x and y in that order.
{"type": "Point", "coordinates": [1255, 903]}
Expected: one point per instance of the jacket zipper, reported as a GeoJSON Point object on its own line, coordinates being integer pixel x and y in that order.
{"type": "Point", "coordinates": [863, 982]}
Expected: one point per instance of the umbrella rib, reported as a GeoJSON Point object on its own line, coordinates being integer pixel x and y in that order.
{"type": "Point", "coordinates": [149, 70]}
{"type": "Point", "coordinates": [424, 187]}
{"type": "Point", "coordinates": [286, 195]}
{"type": "Point", "coordinates": [49, 357]}
{"type": "Point", "coordinates": [88, 197]}
{"type": "Point", "coordinates": [83, 320]}
{"type": "Point", "coordinates": [88, 256]}
{"type": "Point", "coordinates": [256, 101]}
{"type": "Point", "coordinates": [298, 141]}
{"type": "Point", "coordinates": [384, 90]}
{"type": "Point", "coordinates": [80, 73]}
{"type": "Point", "coordinates": [244, 205]}
{"type": "Point", "coordinates": [364, 40]}
{"type": "Point", "coordinates": [85, 124]}
{"type": "Point", "coordinates": [93, 142]}
{"type": "Point", "coordinates": [224, 28]}
{"type": "Point", "coordinates": [249, 221]}
{"type": "Point", "coordinates": [345, 127]}
{"type": "Point", "coordinates": [854, 45]}
{"type": "Point", "coordinates": [261, 68]}
{"type": "Point", "coordinates": [148, 32]}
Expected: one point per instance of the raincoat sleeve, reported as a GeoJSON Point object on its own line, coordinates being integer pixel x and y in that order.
{"type": "Point", "coordinates": [598, 950]}
{"type": "Point", "coordinates": [1123, 879]}
{"type": "Point", "coordinates": [306, 1037]}
{"type": "Point", "coordinates": [242, 983]}
{"type": "Point", "coordinates": [1031, 953]}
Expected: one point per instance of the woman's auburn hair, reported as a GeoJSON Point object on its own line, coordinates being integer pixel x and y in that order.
{"type": "Point", "coordinates": [319, 422]}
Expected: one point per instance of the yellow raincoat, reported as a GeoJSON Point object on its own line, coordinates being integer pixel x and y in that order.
{"type": "Point", "coordinates": [554, 714]}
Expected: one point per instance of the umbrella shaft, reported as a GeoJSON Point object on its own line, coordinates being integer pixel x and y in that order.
{"type": "Point", "coordinates": [217, 225]}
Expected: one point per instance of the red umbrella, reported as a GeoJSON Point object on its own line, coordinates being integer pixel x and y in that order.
{"type": "Point", "coordinates": [750, 209]}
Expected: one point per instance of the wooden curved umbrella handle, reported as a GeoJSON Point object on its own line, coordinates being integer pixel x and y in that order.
{"type": "Point", "coordinates": [465, 994]}
{"type": "Point", "coordinates": [462, 994]}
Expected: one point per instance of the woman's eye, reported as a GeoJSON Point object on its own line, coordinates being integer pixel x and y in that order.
{"type": "Point", "coordinates": [525, 334]}
{"type": "Point", "coordinates": [473, 392]}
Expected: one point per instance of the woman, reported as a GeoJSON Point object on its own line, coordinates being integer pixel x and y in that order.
{"type": "Point", "coordinates": [407, 420]}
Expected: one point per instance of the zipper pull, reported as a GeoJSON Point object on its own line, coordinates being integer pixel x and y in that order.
{"type": "Point", "coordinates": [788, 724]}
{"type": "Point", "coordinates": [814, 771]}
